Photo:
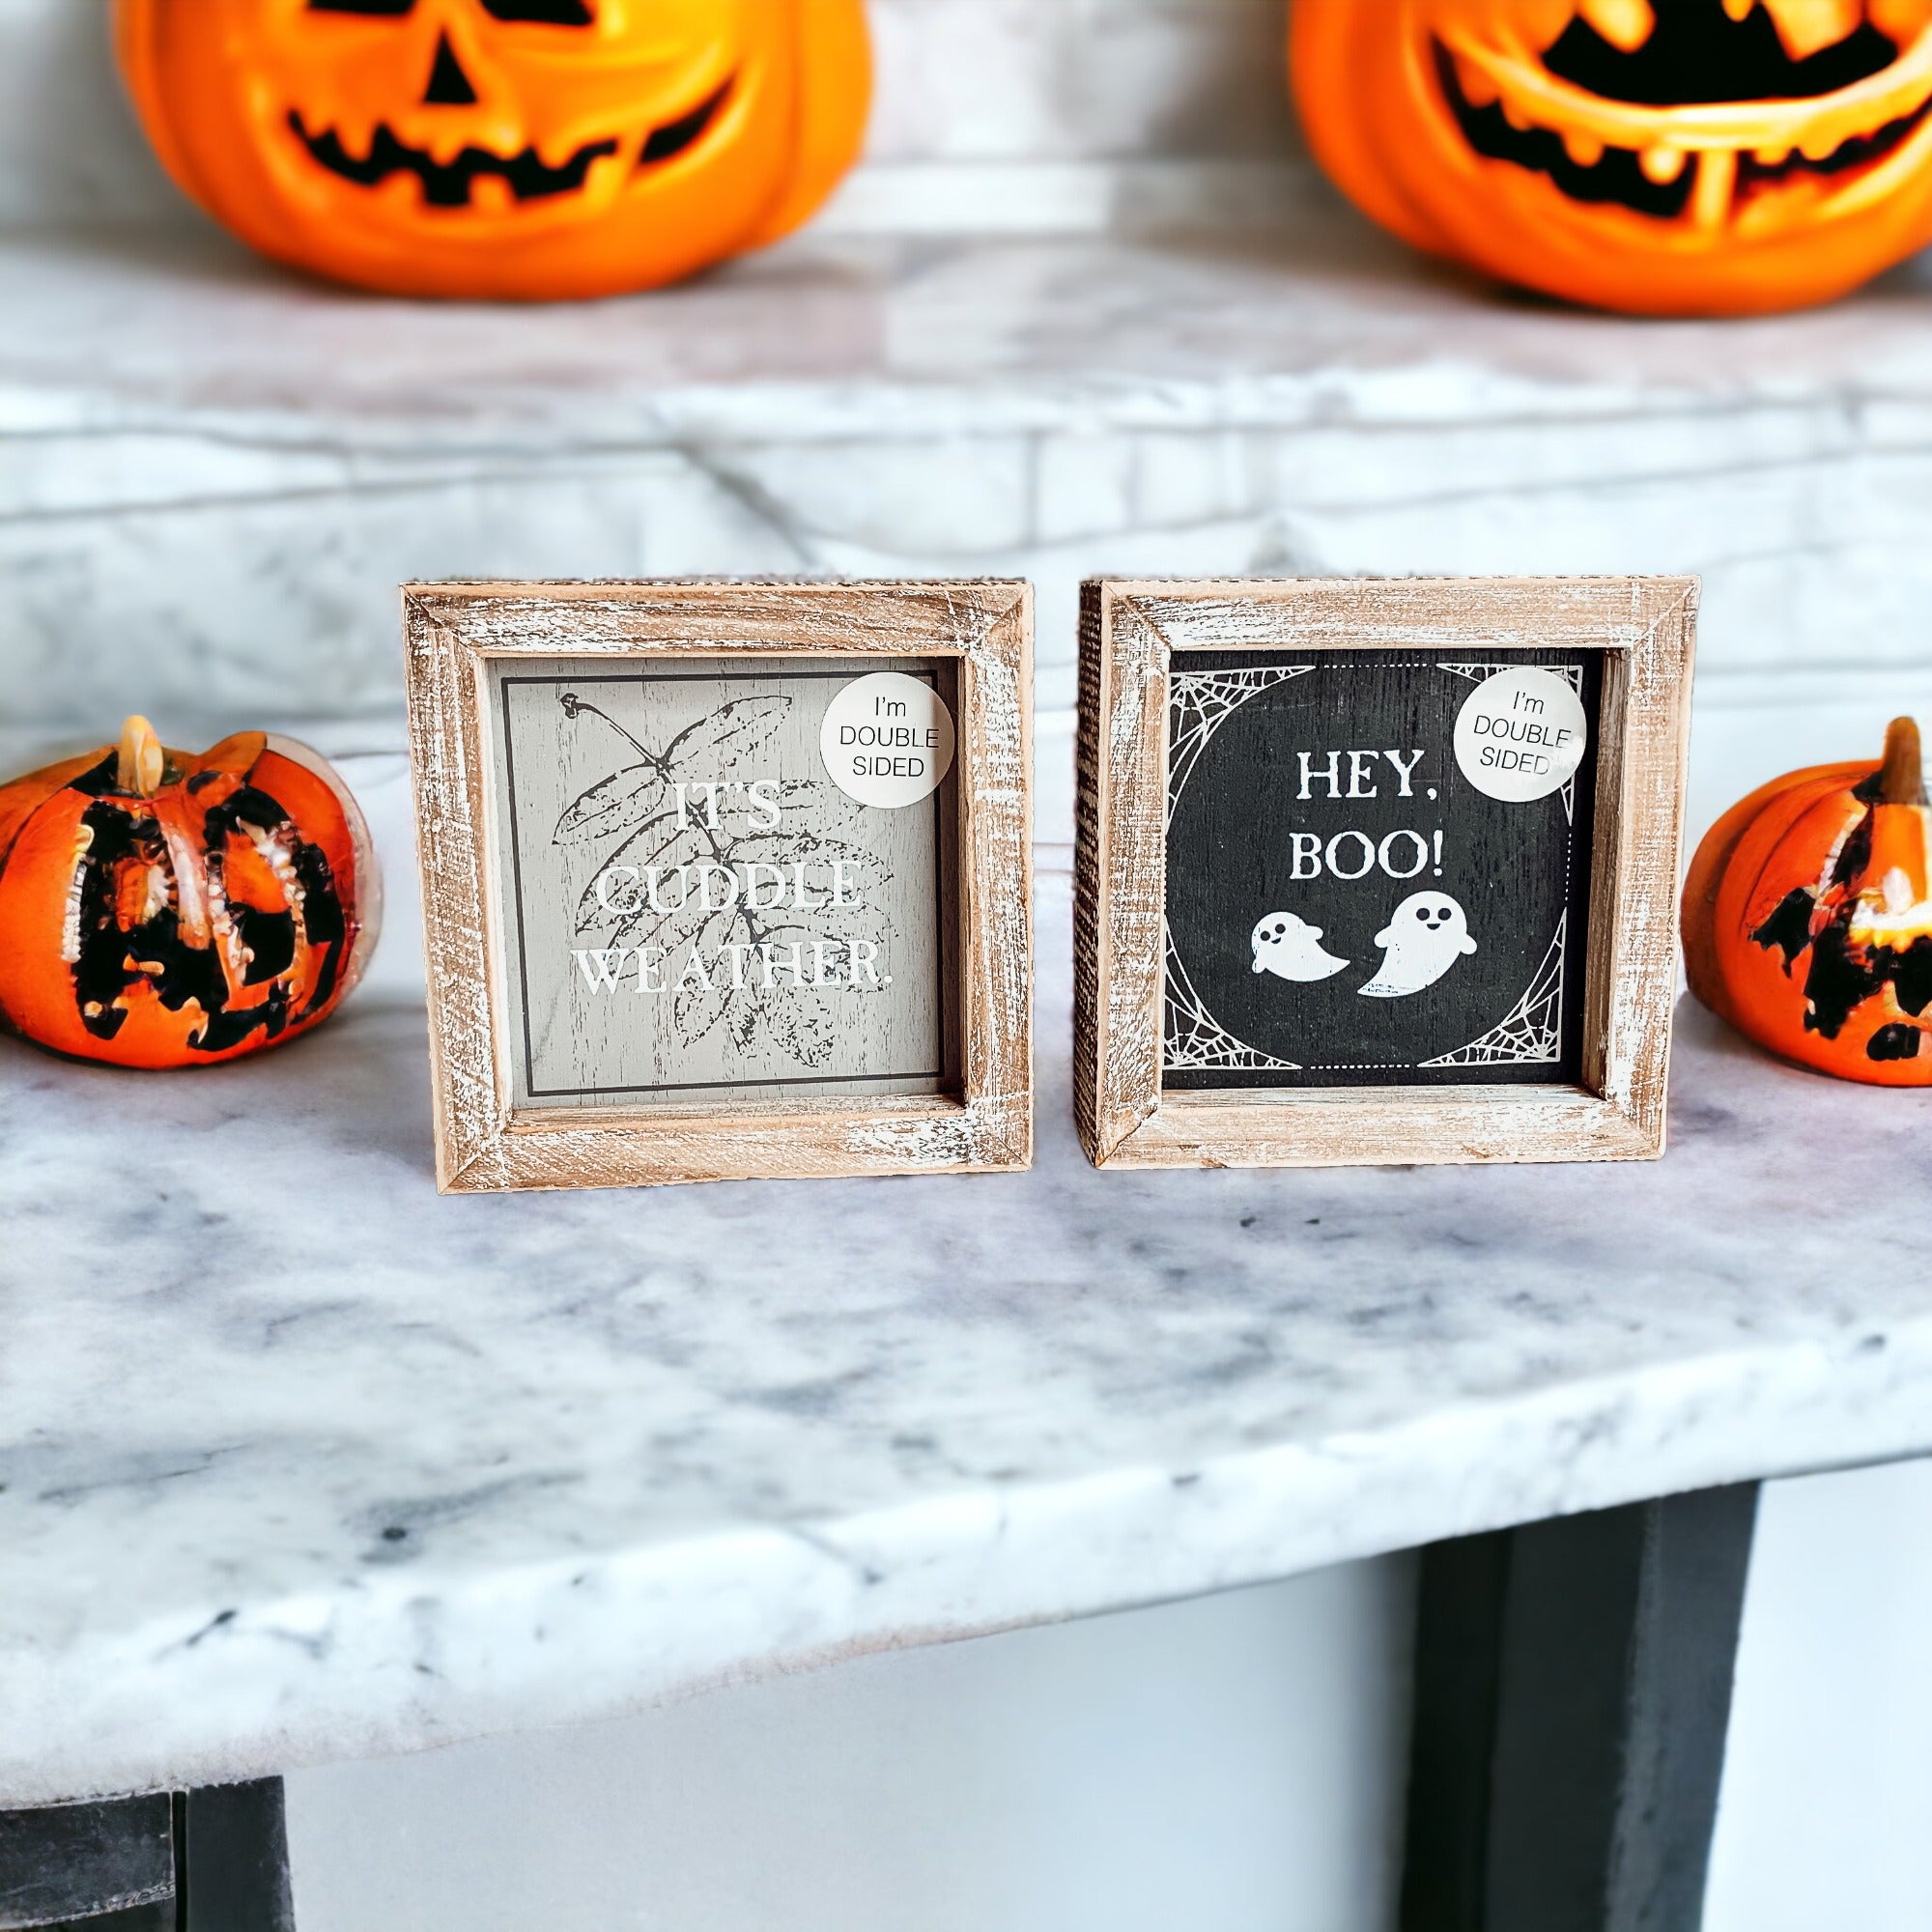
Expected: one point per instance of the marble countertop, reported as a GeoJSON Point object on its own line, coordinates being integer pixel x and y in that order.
{"type": "Point", "coordinates": [1321, 323]}
{"type": "Point", "coordinates": [299, 1462]}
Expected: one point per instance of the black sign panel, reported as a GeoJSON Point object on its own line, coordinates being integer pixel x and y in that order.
{"type": "Point", "coordinates": [1347, 905]}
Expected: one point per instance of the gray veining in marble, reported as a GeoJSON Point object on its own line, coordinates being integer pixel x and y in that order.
{"type": "Point", "coordinates": [301, 1462]}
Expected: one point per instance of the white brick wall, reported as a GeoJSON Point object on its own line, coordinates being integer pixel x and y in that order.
{"type": "Point", "coordinates": [1001, 114]}
{"type": "Point", "coordinates": [1071, 81]}
{"type": "Point", "coordinates": [70, 149]}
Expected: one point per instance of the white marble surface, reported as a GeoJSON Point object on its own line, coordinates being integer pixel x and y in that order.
{"type": "Point", "coordinates": [210, 510]}
{"type": "Point", "coordinates": [302, 1462]}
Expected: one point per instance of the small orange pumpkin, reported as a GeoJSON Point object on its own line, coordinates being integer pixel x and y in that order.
{"type": "Point", "coordinates": [1663, 156]}
{"type": "Point", "coordinates": [1808, 916]}
{"type": "Point", "coordinates": [522, 149]}
{"type": "Point", "coordinates": [158, 909]}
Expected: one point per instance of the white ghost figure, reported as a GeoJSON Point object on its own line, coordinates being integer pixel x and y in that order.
{"type": "Point", "coordinates": [1290, 949]}
{"type": "Point", "coordinates": [1425, 935]}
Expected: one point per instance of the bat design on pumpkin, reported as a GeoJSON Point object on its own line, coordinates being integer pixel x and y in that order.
{"type": "Point", "coordinates": [634, 819]}
{"type": "Point", "coordinates": [1666, 155]}
{"type": "Point", "coordinates": [162, 910]}
{"type": "Point", "coordinates": [1808, 916]}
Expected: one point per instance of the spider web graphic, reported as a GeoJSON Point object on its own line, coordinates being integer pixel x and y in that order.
{"type": "Point", "coordinates": [1532, 1033]}
{"type": "Point", "coordinates": [1197, 1041]}
{"type": "Point", "coordinates": [1571, 675]}
{"type": "Point", "coordinates": [1200, 703]}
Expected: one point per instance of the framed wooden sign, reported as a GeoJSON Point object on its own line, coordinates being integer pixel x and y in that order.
{"type": "Point", "coordinates": [1378, 871]}
{"type": "Point", "coordinates": [723, 880]}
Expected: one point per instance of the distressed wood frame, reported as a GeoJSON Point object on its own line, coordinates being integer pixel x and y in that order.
{"type": "Point", "coordinates": [453, 632]}
{"type": "Point", "coordinates": [1131, 632]}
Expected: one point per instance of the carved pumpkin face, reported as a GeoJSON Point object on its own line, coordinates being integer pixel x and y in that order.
{"type": "Point", "coordinates": [158, 909]}
{"type": "Point", "coordinates": [1664, 156]}
{"type": "Point", "coordinates": [502, 148]}
{"type": "Point", "coordinates": [1807, 917]}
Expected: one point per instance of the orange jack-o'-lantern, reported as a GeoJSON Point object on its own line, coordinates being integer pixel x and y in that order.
{"type": "Point", "coordinates": [526, 148]}
{"type": "Point", "coordinates": [158, 909]}
{"type": "Point", "coordinates": [1665, 157]}
{"type": "Point", "coordinates": [1808, 916]}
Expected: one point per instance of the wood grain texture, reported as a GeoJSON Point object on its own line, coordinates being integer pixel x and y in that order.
{"type": "Point", "coordinates": [1120, 870]}
{"type": "Point", "coordinates": [455, 631]}
{"type": "Point", "coordinates": [1130, 634]}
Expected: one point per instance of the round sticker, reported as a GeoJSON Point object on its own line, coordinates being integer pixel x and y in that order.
{"type": "Point", "coordinates": [886, 739]}
{"type": "Point", "coordinates": [1521, 735]}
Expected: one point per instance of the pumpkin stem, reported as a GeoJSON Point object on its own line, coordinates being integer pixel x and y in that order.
{"type": "Point", "coordinates": [1901, 779]}
{"type": "Point", "coordinates": [141, 761]}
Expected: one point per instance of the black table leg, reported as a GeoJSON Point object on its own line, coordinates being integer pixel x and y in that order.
{"type": "Point", "coordinates": [233, 1853]}
{"type": "Point", "coordinates": [209, 1861]}
{"type": "Point", "coordinates": [1573, 1692]}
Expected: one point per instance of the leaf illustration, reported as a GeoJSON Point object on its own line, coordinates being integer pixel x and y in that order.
{"type": "Point", "coordinates": [838, 925]}
{"type": "Point", "coordinates": [831, 809]}
{"type": "Point", "coordinates": [675, 930]}
{"type": "Point", "coordinates": [798, 1020]}
{"type": "Point", "coordinates": [629, 815]}
{"type": "Point", "coordinates": [732, 731]}
{"type": "Point", "coordinates": [620, 802]}
{"type": "Point", "coordinates": [864, 874]}
{"type": "Point", "coordinates": [661, 842]}
{"type": "Point", "coordinates": [697, 1010]}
